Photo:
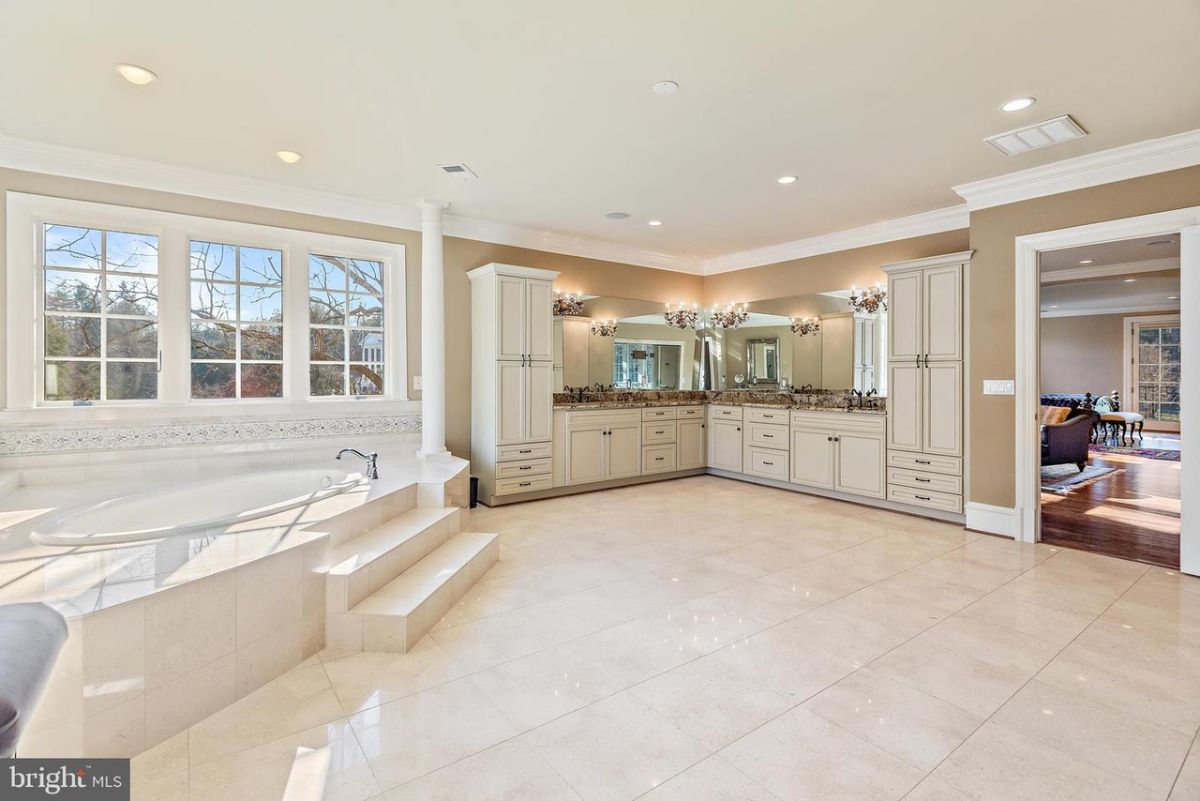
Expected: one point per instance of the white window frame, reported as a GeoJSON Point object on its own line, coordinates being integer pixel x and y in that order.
{"type": "Point", "coordinates": [26, 217]}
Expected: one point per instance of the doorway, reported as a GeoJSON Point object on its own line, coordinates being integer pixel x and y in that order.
{"type": "Point", "coordinates": [1184, 226]}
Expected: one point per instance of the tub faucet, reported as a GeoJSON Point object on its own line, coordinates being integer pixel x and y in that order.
{"type": "Point", "coordinates": [372, 471]}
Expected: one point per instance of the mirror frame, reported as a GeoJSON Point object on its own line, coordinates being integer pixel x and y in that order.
{"type": "Point", "coordinates": [750, 362]}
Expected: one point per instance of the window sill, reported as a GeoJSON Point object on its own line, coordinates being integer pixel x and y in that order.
{"type": "Point", "coordinates": [199, 410]}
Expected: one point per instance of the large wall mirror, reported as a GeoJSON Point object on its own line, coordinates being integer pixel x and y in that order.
{"type": "Point", "coordinates": [797, 342]}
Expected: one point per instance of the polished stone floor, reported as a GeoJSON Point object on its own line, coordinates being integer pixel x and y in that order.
{"type": "Point", "coordinates": [710, 639]}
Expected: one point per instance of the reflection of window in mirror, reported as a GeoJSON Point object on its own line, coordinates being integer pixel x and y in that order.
{"type": "Point", "coordinates": [647, 365]}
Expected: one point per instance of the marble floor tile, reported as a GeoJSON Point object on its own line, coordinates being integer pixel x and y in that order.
{"type": "Point", "coordinates": [714, 779]}
{"type": "Point", "coordinates": [637, 650]}
{"type": "Point", "coordinates": [616, 749]}
{"type": "Point", "coordinates": [367, 679]}
{"type": "Point", "coordinates": [800, 756]}
{"type": "Point", "coordinates": [416, 735]}
{"type": "Point", "coordinates": [1187, 783]}
{"type": "Point", "coordinates": [510, 771]}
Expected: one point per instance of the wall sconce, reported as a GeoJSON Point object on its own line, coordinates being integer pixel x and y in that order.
{"type": "Point", "coordinates": [681, 316]}
{"type": "Point", "coordinates": [805, 326]}
{"type": "Point", "coordinates": [604, 328]}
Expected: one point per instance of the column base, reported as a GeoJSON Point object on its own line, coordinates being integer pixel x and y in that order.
{"type": "Point", "coordinates": [441, 455]}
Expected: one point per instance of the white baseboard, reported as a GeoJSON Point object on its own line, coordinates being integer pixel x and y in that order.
{"type": "Point", "coordinates": [984, 517]}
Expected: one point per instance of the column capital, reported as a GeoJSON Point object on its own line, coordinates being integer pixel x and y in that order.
{"type": "Point", "coordinates": [431, 210]}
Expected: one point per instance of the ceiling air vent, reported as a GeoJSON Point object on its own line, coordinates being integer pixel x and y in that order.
{"type": "Point", "coordinates": [1042, 134]}
{"type": "Point", "coordinates": [458, 171]}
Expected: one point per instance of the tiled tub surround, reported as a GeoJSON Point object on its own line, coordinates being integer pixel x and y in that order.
{"type": "Point", "coordinates": [164, 633]}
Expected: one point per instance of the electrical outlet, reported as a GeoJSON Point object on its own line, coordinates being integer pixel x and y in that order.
{"type": "Point", "coordinates": [999, 387]}
{"type": "Point", "coordinates": [416, 382]}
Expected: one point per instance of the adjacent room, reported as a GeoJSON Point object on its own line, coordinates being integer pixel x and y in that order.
{"type": "Point", "coordinates": [543, 401]}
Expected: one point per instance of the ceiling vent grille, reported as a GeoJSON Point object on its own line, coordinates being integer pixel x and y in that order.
{"type": "Point", "coordinates": [1042, 134]}
{"type": "Point", "coordinates": [458, 171]}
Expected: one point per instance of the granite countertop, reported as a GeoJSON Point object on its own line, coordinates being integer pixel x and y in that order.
{"type": "Point", "coordinates": [817, 402]}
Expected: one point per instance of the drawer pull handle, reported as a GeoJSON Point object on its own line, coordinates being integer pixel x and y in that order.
{"type": "Point", "coordinates": [768, 464]}
{"type": "Point", "coordinates": [768, 436]}
{"type": "Point", "coordinates": [525, 467]}
{"type": "Point", "coordinates": [922, 497]}
{"type": "Point", "coordinates": [527, 450]}
{"type": "Point", "coordinates": [922, 461]}
{"type": "Point", "coordinates": [524, 483]}
{"type": "Point", "coordinates": [922, 480]}
{"type": "Point", "coordinates": [660, 432]}
{"type": "Point", "coordinates": [659, 458]}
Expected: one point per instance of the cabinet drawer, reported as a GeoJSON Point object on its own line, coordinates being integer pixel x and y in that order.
{"type": "Point", "coordinates": [529, 467]}
{"type": "Point", "coordinates": [659, 413]}
{"type": "Point", "coordinates": [926, 463]}
{"type": "Point", "coordinates": [754, 415]}
{"type": "Point", "coordinates": [653, 433]}
{"type": "Point", "coordinates": [927, 498]}
{"type": "Point", "coordinates": [725, 412]}
{"type": "Point", "coordinates": [603, 418]}
{"type": "Point", "coordinates": [658, 458]}
{"type": "Point", "coordinates": [689, 411]}
{"type": "Point", "coordinates": [767, 463]}
{"type": "Point", "coordinates": [850, 422]}
{"type": "Point", "coordinates": [767, 435]}
{"type": "Point", "coordinates": [532, 450]}
{"type": "Point", "coordinates": [509, 486]}
{"type": "Point", "coordinates": [922, 480]}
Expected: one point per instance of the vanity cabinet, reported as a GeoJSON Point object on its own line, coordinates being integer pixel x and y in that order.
{"type": "Point", "coordinates": [691, 441]}
{"type": "Point", "coordinates": [839, 451]}
{"type": "Point", "coordinates": [926, 322]}
{"type": "Point", "coordinates": [602, 445]}
{"type": "Point", "coordinates": [512, 377]}
{"type": "Point", "coordinates": [725, 438]}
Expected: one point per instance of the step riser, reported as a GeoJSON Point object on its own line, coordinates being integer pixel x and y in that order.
{"type": "Point", "coordinates": [355, 522]}
{"type": "Point", "coordinates": [398, 634]}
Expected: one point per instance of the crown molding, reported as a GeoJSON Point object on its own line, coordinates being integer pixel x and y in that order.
{"type": "Point", "coordinates": [1105, 270]}
{"type": "Point", "coordinates": [68, 162]}
{"type": "Point", "coordinates": [1106, 166]}
{"type": "Point", "coordinates": [951, 218]}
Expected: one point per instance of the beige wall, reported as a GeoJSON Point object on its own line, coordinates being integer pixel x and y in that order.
{"type": "Point", "coordinates": [992, 302]}
{"type": "Point", "coordinates": [587, 275]}
{"type": "Point", "coordinates": [1082, 354]}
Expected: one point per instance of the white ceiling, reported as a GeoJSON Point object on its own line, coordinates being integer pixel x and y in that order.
{"type": "Point", "coordinates": [878, 107]}
{"type": "Point", "coordinates": [1105, 254]}
{"type": "Point", "coordinates": [1111, 295]}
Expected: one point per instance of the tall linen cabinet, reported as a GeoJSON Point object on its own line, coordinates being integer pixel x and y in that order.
{"type": "Point", "coordinates": [512, 378]}
{"type": "Point", "coordinates": [925, 343]}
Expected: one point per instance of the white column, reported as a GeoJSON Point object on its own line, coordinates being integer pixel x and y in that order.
{"type": "Point", "coordinates": [433, 333]}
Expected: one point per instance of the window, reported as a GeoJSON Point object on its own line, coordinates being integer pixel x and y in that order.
{"type": "Point", "coordinates": [237, 321]}
{"type": "Point", "coordinates": [100, 324]}
{"type": "Point", "coordinates": [346, 326]}
{"type": "Point", "coordinates": [1157, 371]}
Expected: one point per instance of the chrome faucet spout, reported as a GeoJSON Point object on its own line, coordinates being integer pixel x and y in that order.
{"type": "Point", "coordinates": [372, 470]}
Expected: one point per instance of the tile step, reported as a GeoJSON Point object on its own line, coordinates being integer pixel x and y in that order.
{"type": "Point", "coordinates": [404, 530]}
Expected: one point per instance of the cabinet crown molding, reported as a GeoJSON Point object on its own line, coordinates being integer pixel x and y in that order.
{"type": "Point", "coordinates": [962, 257]}
{"type": "Point", "coordinates": [495, 268]}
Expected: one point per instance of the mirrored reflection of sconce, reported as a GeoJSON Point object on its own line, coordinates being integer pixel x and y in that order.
{"type": "Point", "coordinates": [604, 328]}
{"type": "Point", "coordinates": [729, 317]}
{"type": "Point", "coordinates": [804, 326]}
{"type": "Point", "coordinates": [568, 305]}
{"type": "Point", "coordinates": [682, 317]}
{"type": "Point", "coordinates": [868, 302]}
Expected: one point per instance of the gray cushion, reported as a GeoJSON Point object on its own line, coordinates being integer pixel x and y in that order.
{"type": "Point", "coordinates": [31, 635]}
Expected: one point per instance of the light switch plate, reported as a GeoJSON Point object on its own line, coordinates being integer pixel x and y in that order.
{"type": "Point", "coordinates": [416, 382]}
{"type": "Point", "coordinates": [992, 386]}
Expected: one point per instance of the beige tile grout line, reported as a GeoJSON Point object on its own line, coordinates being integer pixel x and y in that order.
{"type": "Point", "coordinates": [1191, 749]}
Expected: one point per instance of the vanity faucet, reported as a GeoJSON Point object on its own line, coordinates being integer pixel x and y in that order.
{"type": "Point", "coordinates": [372, 471]}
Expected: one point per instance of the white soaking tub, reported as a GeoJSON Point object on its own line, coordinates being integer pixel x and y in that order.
{"type": "Point", "coordinates": [193, 507]}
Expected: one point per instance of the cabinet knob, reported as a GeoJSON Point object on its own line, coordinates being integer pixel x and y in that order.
{"type": "Point", "coordinates": [829, 438]}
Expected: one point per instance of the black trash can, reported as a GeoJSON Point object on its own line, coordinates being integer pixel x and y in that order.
{"type": "Point", "coordinates": [474, 491]}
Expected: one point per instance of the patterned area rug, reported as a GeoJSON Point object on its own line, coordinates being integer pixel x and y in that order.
{"type": "Point", "coordinates": [1145, 453]}
{"type": "Point", "coordinates": [1062, 478]}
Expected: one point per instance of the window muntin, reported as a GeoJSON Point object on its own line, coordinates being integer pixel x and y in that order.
{"type": "Point", "coordinates": [236, 321]}
{"type": "Point", "coordinates": [100, 315]}
{"type": "Point", "coordinates": [346, 326]}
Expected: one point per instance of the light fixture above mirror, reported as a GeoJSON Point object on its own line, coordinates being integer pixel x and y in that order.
{"type": "Point", "coordinates": [729, 317]}
{"type": "Point", "coordinates": [681, 316]}
{"type": "Point", "coordinates": [604, 328]}
{"type": "Point", "coordinates": [868, 302]}
{"type": "Point", "coordinates": [568, 305]}
{"type": "Point", "coordinates": [804, 326]}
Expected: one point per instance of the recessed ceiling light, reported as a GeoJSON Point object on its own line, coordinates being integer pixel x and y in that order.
{"type": "Point", "coordinates": [1086, 261]}
{"type": "Point", "coordinates": [786, 179]}
{"type": "Point", "coordinates": [617, 215]}
{"type": "Point", "coordinates": [138, 76]}
{"type": "Point", "coordinates": [655, 222]}
{"type": "Point", "coordinates": [665, 88]}
{"type": "Point", "coordinates": [1160, 242]}
{"type": "Point", "coordinates": [1129, 280]}
{"type": "Point", "coordinates": [288, 156]}
{"type": "Point", "coordinates": [1018, 103]}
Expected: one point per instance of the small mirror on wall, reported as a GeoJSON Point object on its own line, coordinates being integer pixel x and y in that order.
{"type": "Point", "coordinates": [762, 361]}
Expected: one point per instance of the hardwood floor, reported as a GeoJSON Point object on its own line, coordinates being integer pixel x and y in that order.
{"type": "Point", "coordinates": [1133, 514]}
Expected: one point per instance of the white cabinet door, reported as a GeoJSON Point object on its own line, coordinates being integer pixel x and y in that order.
{"type": "Point", "coordinates": [942, 426]}
{"type": "Point", "coordinates": [725, 445]}
{"type": "Point", "coordinates": [511, 413]}
{"type": "Point", "coordinates": [585, 455]}
{"type": "Point", "coordinates": [812, 458]}
{"type": "Point", "coordinates": [904, 317]}
{"type": "Point", "coordinates": [539, 401]}
{"type": "Point", "coordinates": [860, 464]}
{"type": "Point", "coordinates": [690, 441]}
{"type": "Point", "coordinates": [539, 320]}
{"type": "Point", "coordinates": [624, 451]}
{"type": "Point", "coordinates": [511, 332]}
{"type": "Point", "coordinates": [904, 409]}
{"type": "Point", "coordinates": [943, 313]}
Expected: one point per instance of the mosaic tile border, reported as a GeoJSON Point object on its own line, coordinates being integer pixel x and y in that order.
{"type": "Point", "coordinates": [29, 440]}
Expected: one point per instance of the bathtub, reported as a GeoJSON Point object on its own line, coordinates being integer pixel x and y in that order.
{"type": "Point", "coordinates": [193, 507]}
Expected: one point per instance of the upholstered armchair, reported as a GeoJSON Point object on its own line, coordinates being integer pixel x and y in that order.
{"type": "Point", "coordinates": [1067, 442]}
